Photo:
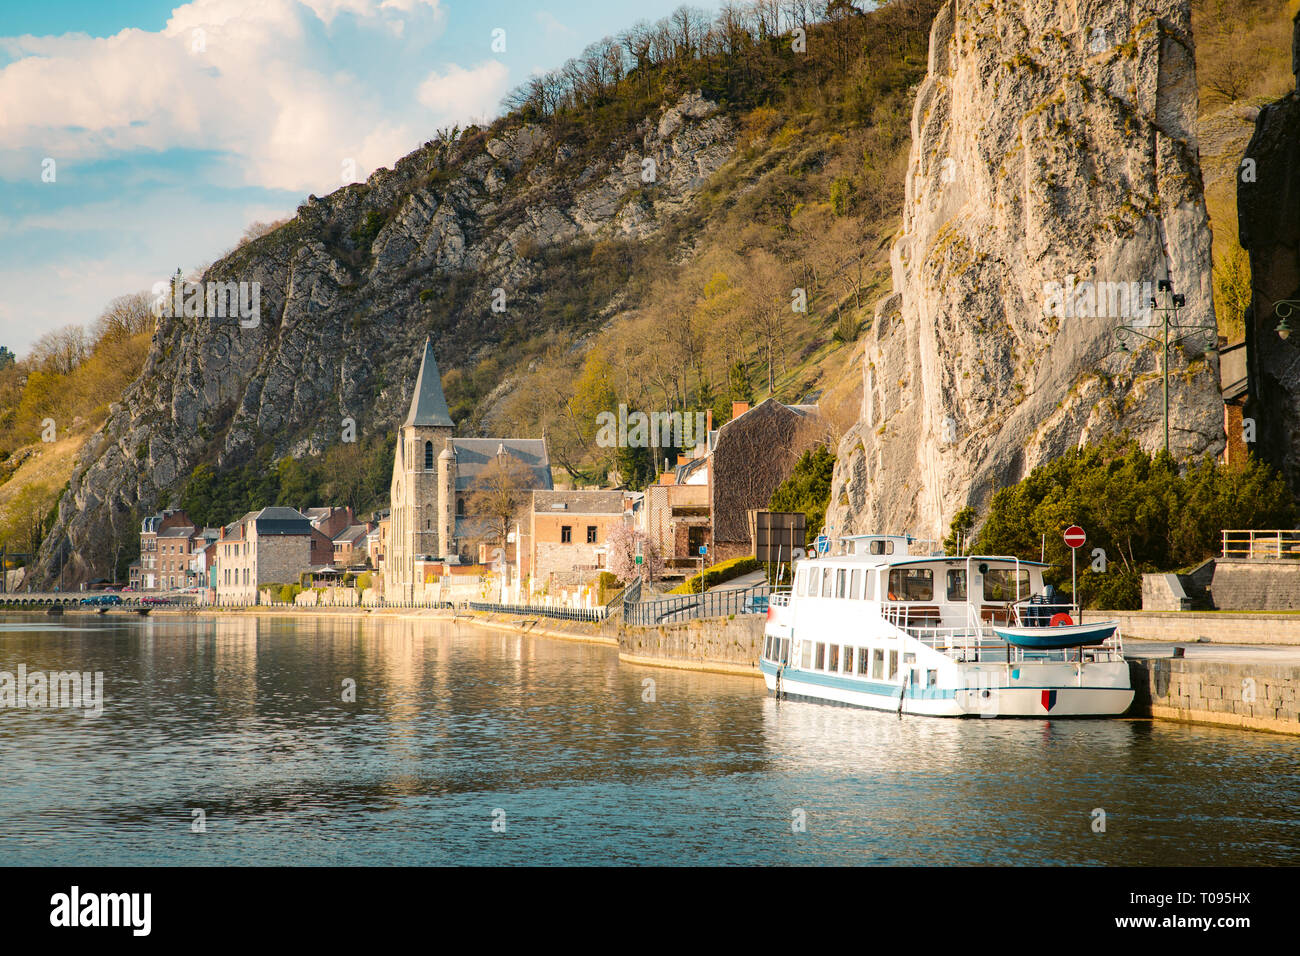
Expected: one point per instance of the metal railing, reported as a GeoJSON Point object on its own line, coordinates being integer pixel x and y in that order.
{"type": "Point", "coordinates": [590, 614]}
{"type": "Point", "coordinates": [691, 607]}
{"type": "Point", "coordinates": [1275, 545]}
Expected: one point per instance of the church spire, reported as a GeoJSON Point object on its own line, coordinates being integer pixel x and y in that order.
{"type": "Point", "coordinates": [428, 405]}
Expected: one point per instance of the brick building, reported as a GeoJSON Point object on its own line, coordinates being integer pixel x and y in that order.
{"type": "Point", "coordinates": [567, 535]}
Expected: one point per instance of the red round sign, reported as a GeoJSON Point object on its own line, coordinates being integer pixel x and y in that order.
{"type": "Point", "coordinates": [1074, 536]}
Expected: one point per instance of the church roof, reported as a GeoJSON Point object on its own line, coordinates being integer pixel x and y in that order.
{"type": "Point", "coordinates": [473, 455]}
{"type": "Point", "coordinates": [428, 404]}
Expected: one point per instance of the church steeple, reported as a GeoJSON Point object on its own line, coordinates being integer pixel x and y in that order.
{"type": "Point", "coordinates": [428, 404]}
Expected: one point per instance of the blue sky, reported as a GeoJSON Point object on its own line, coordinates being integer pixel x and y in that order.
{"type": "Point", "coordinates": [137, 136]}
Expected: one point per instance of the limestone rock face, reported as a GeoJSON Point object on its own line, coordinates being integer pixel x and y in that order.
{"type": "Point", "coordinates": [1268, 213]}
{"type": "Point", "coordinates": [348, 291]}
{"type": "Point", "coordinates": [1053, 150]}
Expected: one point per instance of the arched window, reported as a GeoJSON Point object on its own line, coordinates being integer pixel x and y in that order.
{"type": "Point", "coordinates": [428, 456]}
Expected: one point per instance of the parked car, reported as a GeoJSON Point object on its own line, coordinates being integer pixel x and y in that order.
{"type": "Point", "coordinates": [101, 600]}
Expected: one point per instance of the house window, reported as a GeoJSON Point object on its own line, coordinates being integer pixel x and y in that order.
{"type": "Point", "coordinates": [566, 534]}
{"type": "Point", "coordinates": [428, 456]}
{"type": "Point", "coordinates": [591, 534]}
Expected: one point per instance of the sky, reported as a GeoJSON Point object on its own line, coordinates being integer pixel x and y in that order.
{"type": "Point", "coordinates": [139, 136]}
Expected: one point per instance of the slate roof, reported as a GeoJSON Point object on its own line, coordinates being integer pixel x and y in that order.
{"type": "Point", "coordinates": [278, 520]}
{"type": "Point", "coordinates": [475, 454]}
{"type": "Point", "coordinates": [428, 404]}
{"type": "Point", "coordinates": [578, 502]}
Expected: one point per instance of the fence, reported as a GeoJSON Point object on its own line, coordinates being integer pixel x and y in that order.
{"type": "Point", "coordinates": [1261, 545]}
{"type": "Point", "coordinates": [689, 607]}
{"type": "Point", "coordinates": [592, 614]}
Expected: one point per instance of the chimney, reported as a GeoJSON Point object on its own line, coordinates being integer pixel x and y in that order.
{"type": "Point", "coordinates": [739, 408]}
{"type": "Point", "coordinates": [708, 425]}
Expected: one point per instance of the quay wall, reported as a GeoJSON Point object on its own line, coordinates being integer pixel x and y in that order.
{"type": "Point", "coordinates": [726, 645]}
{"type": "Point", "coordinates": [1230, 694]}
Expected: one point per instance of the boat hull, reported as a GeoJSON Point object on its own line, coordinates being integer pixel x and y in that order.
{"type": "Point", "coordinates": [1035, 691]}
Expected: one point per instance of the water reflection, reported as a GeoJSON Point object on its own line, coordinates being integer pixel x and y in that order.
{"type": "Point", "coordinates": [246, 719]}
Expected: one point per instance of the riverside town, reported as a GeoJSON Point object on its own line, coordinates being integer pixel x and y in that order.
{"type": "Point", "coordinates": [770, 433]}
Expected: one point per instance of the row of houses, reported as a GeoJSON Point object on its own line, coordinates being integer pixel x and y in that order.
{"type": "Point", "coordinates": [431, 545]}
{"type": "Point", "coordinates": [232, 560]}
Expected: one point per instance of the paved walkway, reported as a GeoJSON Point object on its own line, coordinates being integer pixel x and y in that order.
{"type": "Point", "coordinates": [1230, 653]}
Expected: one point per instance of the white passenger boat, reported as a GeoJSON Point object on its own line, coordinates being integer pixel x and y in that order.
{"type": "Point", "coordinates": [938, 635]}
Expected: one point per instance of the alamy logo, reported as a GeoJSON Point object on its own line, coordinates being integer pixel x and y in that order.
{"type": "Point", "coordinates": [212, 300]}
{"type": "Point", "coordinates": [656, 430]}
{"type": "Point", "coordinates": [1088, 299]}
{"type": "Point", "coordinates": [103, 909]}
{"type": "Point", "coordinates": [70, 689]}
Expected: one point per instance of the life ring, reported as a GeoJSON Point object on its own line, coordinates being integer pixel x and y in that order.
{"type": "Point", "coordinates": [1060, 619]}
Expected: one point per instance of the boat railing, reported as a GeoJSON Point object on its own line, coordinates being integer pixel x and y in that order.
{"type": "Point", "coordinates": [779, 598]}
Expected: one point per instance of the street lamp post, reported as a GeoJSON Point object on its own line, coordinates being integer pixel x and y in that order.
{"type": "Point", "coordinates": [1168, 310]}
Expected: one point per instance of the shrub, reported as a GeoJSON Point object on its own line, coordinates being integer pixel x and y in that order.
{"type": "Point", "coordinates": [718, 574]}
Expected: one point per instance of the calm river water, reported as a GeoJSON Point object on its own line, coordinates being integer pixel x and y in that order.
{"type": "Point", "coordinates": [470, 746]}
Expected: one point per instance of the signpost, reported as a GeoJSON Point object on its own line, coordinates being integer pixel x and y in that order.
{"type": "Point", "coordinates": [1075, 538]}
{"type": "Point", "coordinates": [823, 544]}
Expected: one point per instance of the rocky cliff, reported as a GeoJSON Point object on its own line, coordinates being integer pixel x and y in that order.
{"type": "Point", "coordinates": [1268, 214]}
{"type": "Point", "coordinates": [348, 291]}
{"type": "Point", "coordinates": [1053, 174]}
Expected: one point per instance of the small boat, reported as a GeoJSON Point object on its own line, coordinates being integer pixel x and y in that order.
{"type": "Point", "coordinates": [1056, 637]}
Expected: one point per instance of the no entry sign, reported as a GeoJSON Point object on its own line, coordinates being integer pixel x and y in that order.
{"type": "Point", "coordinates": [1074, 536]}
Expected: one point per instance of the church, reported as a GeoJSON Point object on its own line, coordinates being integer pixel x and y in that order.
{"type": "Point", "coordinates": [433, 476]}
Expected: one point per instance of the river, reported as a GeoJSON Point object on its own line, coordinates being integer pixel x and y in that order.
{"type": "Point", "coordinates": [230, 741]}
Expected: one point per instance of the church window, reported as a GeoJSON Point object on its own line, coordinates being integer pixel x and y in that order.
{"type": "Point", "coordinates": [460, 507]}
{"type": "Point", "coordinates": [428, 456]}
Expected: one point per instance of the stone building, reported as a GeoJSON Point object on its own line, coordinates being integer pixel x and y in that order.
{"type": "Point", "coordinates": [434, 475]}
{"type": "Point", "coordinates": [271, 546]}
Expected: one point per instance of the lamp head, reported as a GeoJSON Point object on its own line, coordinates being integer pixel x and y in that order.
{"type": "Point", "coordinates": [1164, 285]}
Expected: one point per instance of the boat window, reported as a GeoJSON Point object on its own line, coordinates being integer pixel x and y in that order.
{"type": "Point", "coordinates": [806, 663]}
{"type": "Point", "coordinates": [810, 582]}
{"type": "Point", "coordinates": [828, 579]}
{"type": "Point", "coordinates": [1000, 584]}
{"type": "Point", "coordinates": [878, 664]}
{"type": "Point", "coordinates": [881, 547]}
{"type": "Point", "coordinates": [868, 586]}
{"type": "Point", "coordinates": [893, 665]}
{"type": "Point", "coordinates": [819, 661]}
{"type": "Point", "coordinates": [853, 584]}
{"type": "Point", "coordinates": [833, 658]}
{"type": "Point", "coordinates": [840, 576]}
{"type": "Point", "coordinates": [862, 661]}
{"type": "Point", "coordinates": [931, 678]}
{"type": "Point", "coordinates": [956, 584]}
{"type": "Point", "coordinates": [911, 584]}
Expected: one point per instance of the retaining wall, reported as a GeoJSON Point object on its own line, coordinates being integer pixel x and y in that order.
{"type": "Point", "coordinates": [730, 645]}
{"type": "Point", "coordinates": [1247, 695]}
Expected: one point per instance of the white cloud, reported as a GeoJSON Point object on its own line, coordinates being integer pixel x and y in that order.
{"type": "Point", "coordinates": [459, 94]}
{"type": "Point", "coordinates": [285, 89]}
